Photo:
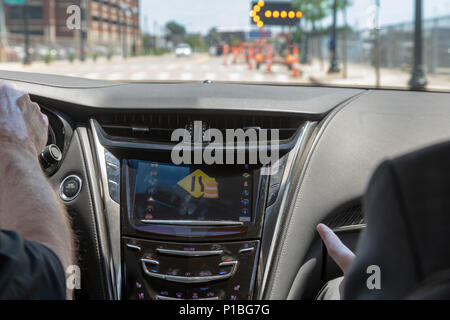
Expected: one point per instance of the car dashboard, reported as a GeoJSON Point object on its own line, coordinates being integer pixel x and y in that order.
{"type": "Point", "coordinates": [239, 234]}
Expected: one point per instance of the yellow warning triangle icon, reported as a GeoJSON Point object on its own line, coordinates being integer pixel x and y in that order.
{"type": "Point", "coordinates": [195, 183]}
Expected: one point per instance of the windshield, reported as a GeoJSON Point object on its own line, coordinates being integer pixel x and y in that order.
{"type": "Point", "coordinates": [366, 43]}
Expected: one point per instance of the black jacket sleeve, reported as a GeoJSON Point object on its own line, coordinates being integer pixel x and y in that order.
{"type": "Point", "coordinates": [407, 210]}
{"type": "Point", "coordinates": [29, 270]}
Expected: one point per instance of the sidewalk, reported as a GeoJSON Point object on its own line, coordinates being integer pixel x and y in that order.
{"type": "Point", "coordinates": [363, 75]}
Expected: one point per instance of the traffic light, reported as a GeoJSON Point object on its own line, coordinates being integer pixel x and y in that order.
{"type": "Point", "coordinates": [274, 13]}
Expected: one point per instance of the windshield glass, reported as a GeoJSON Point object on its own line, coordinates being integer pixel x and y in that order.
{"type": "Point", "coordinates": [368, 43]}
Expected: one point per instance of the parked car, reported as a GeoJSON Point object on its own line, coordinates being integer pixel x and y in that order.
{"type": "Point", "coordinates": [183, 50]}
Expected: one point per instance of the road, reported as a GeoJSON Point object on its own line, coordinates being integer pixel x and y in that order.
{"type": "Point", "coordinates": [158, 68]}
{"type": "Point", "coordinates": [201, 67]}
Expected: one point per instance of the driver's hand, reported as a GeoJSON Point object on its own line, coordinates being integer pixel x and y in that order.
{"type": "Point", "coordinates": [342, 255]}
{"type": "Point", "coordinates": [22, 125]}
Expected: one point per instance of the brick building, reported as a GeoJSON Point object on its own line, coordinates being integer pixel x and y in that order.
{"type": "Point", "coordinates": [111, 24]}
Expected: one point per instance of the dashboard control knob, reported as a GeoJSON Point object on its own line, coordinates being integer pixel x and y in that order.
{"type": "Point", "coordinates": [50, 155]}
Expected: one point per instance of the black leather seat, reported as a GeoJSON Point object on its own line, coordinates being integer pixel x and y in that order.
{"type": "Point", "coordinates": [407, 209]}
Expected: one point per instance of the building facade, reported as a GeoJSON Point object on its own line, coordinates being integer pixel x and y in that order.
{"type": "Point", "coordinates": [111, 25]}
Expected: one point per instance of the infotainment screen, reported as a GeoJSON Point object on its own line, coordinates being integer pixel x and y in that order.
{"type": "Point", "coordinates": [164, 191]}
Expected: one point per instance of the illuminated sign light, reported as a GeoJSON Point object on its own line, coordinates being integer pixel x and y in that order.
{"type": "Point", "coordinates": [265, 13]}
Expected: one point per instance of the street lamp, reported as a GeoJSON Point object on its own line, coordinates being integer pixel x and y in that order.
{"type": "Point", "coordinates": [27, 58]}
{"type": "Point", "coordinates": [334, 65]}
{"type": "Point", "coordinates": [418, 80]}
{"type": "Point", "coordinates": [83, 31]}
{"type": "Point", "coordinates": [123, 8]}
{"type": "Point", "coordinates": [134, 11]}
{"type": "Point", "coordinates": [305, 38]}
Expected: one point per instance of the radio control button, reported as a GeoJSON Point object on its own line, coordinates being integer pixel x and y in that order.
{"type": "Point", "coordinates": [244, 250]}
{"type": "Point", "coordinates": [133, 246]}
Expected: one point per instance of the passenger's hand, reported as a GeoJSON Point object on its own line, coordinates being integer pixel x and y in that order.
{"type": "Point", "coordinates": [22, 125]}
{"type": "Point", "coordinates": [342, 255]}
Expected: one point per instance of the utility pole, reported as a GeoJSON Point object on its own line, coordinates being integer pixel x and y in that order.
{"type": "Point", "coordinates": [135, 17]}
{"type": "Point", "coordinates": [83, 31]}
{"type": "Point", "coordinates": [124, 30]}
{"type": "Point", "coordinates": [334, 65]}
{"type": "Point", "coordinates": [418, 80]}
{"type": "Point", "coordinates": [377, 44]}
{"type": "Point", "coordinates": [344, 53]}
{"type": "Point", "coordinates": [305, 36]}
{"type": "Point", "coordinates": [3, 33]}
{"type": "Point", "coordinates": [27, 58]}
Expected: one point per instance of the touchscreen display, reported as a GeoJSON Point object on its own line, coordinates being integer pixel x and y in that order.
{"type": "Point", "coordinates": [164, 191]}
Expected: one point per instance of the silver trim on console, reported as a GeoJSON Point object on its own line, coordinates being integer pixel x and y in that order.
{"type": "Point", "coordinates": [112, 214]}
{"type": "Point", "coordinates": [190, 253]}
{"type": "Point", "coordinates": [194, 223]}
{"type": "Point", "coordinates": [134, 247]}
{"type": "Point", "coordinates": [184, 279]}
{"type": "Point", "coordinates": [158, 297]}
{"type": "Point", "coordinates": [285, 186]}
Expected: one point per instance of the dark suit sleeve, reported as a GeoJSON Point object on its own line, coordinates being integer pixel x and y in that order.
{"type": "Point", "coordinates": [385, 243]}
{"type": "Point", "coordinates": [29, 270]}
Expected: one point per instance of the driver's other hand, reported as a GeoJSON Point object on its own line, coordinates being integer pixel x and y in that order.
{"type": "Point", "coordinates": [342, 255]}
{"type": "Point", "coordinates": [22, 125]}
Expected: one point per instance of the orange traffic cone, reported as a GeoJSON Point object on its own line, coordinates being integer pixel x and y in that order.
{"type": "Point", "coordinates": [211, 190]}
{"type": "Point", "coordinates": [225, 55]}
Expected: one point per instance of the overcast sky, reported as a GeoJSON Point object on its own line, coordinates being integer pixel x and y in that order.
{"type": "Point", "coordinates": [201, 15]}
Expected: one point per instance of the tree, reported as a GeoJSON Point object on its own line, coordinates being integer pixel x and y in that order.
{"type": "Point", "coordinates": [213, 37]}
{"type": "Point", "coordinates": [175, 32]}
{"type": "Point", "coordinates": [194, 41]}
{"type": "Point", "coordinates": [313, 11]}
{"type": "Point", "coordinates": [174, 28]}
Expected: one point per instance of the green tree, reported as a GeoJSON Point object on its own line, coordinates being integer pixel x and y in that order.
{"type": "Point", "coordinates": [341, 4]}
{"type": "Point", "coordinates": [193, 41]}
{"type": "Point", "coordinates": [174, 28]}
{"type": "Point", "coordinates": [313, 11]}
{"type": "Point", "coordinates": [213, 37]}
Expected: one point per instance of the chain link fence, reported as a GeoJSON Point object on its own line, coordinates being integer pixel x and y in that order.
{"type": "Point", "coordinates": [396, 46]}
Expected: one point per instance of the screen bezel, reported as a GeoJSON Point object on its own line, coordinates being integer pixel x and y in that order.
{"type": "Point", "coordinates": [192, 230]}
{"type": "Point", "coordinates": [236, 170]}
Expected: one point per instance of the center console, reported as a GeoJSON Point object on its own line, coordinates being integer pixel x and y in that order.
{"type": "Point", "coordinates": [189, 231]}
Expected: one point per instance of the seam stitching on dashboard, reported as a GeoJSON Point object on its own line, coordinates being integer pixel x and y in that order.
{"type": "Point", "coordinates": [287, 226]}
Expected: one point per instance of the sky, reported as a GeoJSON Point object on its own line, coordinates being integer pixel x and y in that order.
{"type": "Point", "coordinates": [201, 15]}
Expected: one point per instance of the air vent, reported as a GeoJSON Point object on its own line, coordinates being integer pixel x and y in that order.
{"type": "Point", "coordinates": [346, 216]}
{"type": "Point", "coordinates": [158, 127]}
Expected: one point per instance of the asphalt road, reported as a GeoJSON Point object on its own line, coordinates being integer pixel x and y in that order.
{"type": "Point", "coordinates": [200, 67]}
